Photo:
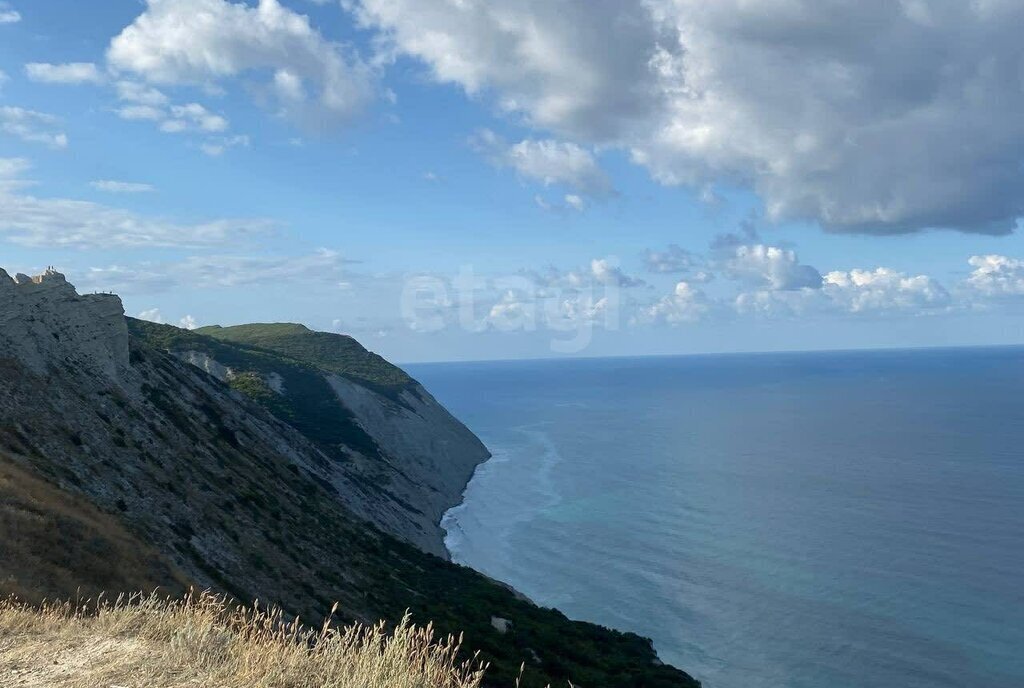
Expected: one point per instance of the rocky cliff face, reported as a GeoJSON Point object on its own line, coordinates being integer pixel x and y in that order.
{"type": "Point", "coordinates": [44, 322]}
{"type": "Point", "coordinates": [216, 482]}
{"type": "Point", "coordinates": [433, 454]}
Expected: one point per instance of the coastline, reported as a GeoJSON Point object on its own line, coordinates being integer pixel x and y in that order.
{"type": "Point", "coordinates": [446, 514]}
{"type": "Point", "coordinates": [445, 535]}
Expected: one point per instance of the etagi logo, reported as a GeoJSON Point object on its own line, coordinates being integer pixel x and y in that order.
{"type": "Point", "coordinates": [570, 309]}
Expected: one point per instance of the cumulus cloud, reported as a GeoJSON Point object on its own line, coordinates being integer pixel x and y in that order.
{"type": "Point", "coordinates": [996, 275]}
{"type": "Point", "coordinates": [141, 112]}
{"type": "Point", "coordinates": [772, 303]}
{"type": "Point", "coordinates": [556, 310]}
{"type": "Point", "coordinates": [155, 316]}
{"type": "Point", "coordinates": [8, 15]}
{"type": "Point", "coordinates": [193, 117]}
{"type": "Point", "coordinates": [558, 64]}
{"type": "Point", "coordinates": [140, 94]}
{"type": "Point", "coordinates": [677, 260]}
{"type": "Point", "coordinates": [884, 289]}
{"type": "Point", "coordinates": [686, 304]}
{"type": "Point", "coordinates": [202, 42]}
{"type": "Point", "coordinates": [600, 272]}
{"type": "Point", "coordinates": [112, 186]}
{"type": "Point", "coordinates": [152, 315]}
{"type": "Point", "coordinates": [607, 272]}
{"type": "Point", "coordinates": [141, 102]}
{"type": "Point", "coordinates": [32, 126]}
{"type": "Point", "coordinates": [776, 268]}
{"type": "Point", "coordinates": [67, 73]}
{"type": "Point", "coordinates": [854, 115]}
{"type": "Point", "coordinates": [546, 161]}
{"type": "Point", "coordinates": [28, 220]}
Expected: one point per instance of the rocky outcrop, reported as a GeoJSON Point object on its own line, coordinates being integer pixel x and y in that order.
{"type": "Point", "coordinates": [44, 322]}
{"type": "Point", "coordinates": [206, 363]}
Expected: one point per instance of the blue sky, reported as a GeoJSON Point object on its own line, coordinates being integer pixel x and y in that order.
{"type": "Point", "coordinates": [472, 180]}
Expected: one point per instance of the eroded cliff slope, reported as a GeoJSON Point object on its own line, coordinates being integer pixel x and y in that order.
{"type": "Point", "coordinates": [399, 456]}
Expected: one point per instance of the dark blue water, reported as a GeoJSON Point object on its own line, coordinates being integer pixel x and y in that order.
{"type": "Point", "coordinates": [808, 520]}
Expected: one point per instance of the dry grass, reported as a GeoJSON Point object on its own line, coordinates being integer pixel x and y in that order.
{"type": "Point", "coordinates": [56, 545]}
{"type": "Point", "coordinates": [201, 642]}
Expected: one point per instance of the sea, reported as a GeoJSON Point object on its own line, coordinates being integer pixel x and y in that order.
{"type": "Point", "coordinates": [804, 520]}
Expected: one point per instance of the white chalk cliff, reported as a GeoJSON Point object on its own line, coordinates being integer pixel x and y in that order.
{"type": "Point", "coordinates": [45, 322]}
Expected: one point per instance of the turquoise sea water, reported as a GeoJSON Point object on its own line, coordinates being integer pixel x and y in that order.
{"type": "Point", "coordinates": [823, 520]}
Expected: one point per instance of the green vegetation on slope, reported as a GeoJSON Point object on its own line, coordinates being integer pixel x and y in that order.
{"type": "Point", "coordinates": [333, 353]}
{"type": "Point", "coordinates": [310, 406]}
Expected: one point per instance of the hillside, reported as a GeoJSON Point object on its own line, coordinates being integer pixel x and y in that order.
{"type": "Point", "coordinates": [201, 483]}
{"type": "Point", "coordinates": [335, 353]}
{"type": "Point", "coordinates": [55, 543]}
{"type": "Point", "coordinates": [399, 454]}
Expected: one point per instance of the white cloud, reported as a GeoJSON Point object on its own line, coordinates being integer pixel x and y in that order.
{"type": "Point", "coordinates": [676, 260]}
{"type": "Point", "coordinates": [600, 272]}
{"type": "Point", "coordinates": [215, 147]}
{"type": "Point", "coordinates": [686, 304]}
{"type": "Point", "coordinates": [873, 116]}
{"type": "Point", "coordinates": [27, 220]}
{"type": "Point", "coordinates": [312, 80]}
{"type": "Point", "coordinates": [112, 186]}
{"type": "Point", "coordinates": [32, 126]}
{"type": "Point", "coordinates": [777, 268]}
{"type": "Point", "coordinates": [193, 117]}
{"type": "Point", "coordinates": [155, 316]}
{"type": "Point", "coordinates": [134, 92]}
{"type": "Point", "coordinates": [152, 315]}
{"type": "Point", "coordinates": [607, 272]}
{"type": "Point", "coordinates": [577, 66]}
{"type": "Point", "coordinates": [560, 311]}
{"type": "Point", "coordinates": [141, 112]}
{"type": "Point", "coordinates": [144, 103]}
{"type": "Point", "coordinates": [13, 167]}
{"type": "Point", "coordinates": [575, 202]}
{"type": "Point", "coordinates": [546, 161]}
{"type": "Point", "coordinates": [774, 303]}
{"type": "Point", "coordinates": [68, 73]}
{"type": "Point", "coordinates": [884, 289]}
{"type": "Point", "coordinates": [219, 271]}
{"type": "Point", "coordinates": [996, 275]}
{"type": "Point", "coordinates": [8, 15]}
{"type": "Point", "coordinates": [11, 170]}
